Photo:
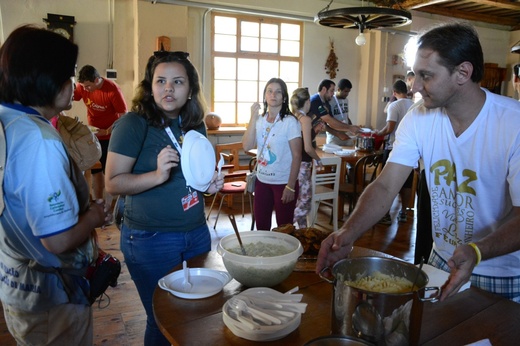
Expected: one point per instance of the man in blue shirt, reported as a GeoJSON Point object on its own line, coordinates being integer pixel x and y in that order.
{"type": "Point", "coordinates": [321, 107]}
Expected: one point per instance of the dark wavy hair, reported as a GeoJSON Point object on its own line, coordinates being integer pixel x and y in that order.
{"type": "Point", "coordinates": [193, 110]}
{"type": "Point", "coordinates": [285, 105]}
{"type": "Point", "coordinates": [35, 63]}
{"type": "Point", "coordinates": [325, 83]}
{"type": "Point", "coordinates": [455, 43]}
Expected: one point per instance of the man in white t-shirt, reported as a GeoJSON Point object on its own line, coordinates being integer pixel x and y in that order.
{"type": "Point", "coordinates": [395, 113]}
{"type": "Point", "coordinates": [469, 141]}
{"type": "Point", "coordinates": [340, 111]}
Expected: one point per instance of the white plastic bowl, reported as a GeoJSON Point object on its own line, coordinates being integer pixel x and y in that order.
{"type": "Point", "coordinates": [260, 271]}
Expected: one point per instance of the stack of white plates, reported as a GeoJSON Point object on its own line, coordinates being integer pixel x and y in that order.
{"type": "Point", "coordinates": [345, 152]}
{"type": "Point", "coordinates": [330, 148]}
{"type": "Point", "coordinates": [250, 328]}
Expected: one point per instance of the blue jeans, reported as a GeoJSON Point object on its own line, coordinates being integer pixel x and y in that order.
{"type": "Point", "coordinates": [151, 255]}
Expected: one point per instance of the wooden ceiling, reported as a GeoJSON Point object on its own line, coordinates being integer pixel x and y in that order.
{"type": "Point", "coordinates": [505, 13]}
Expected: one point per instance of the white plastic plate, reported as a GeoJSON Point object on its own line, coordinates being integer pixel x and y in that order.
{"type": "Point", "coordinates": [205, 283]}
{"type": "Point", "coordinates": [197, 160]}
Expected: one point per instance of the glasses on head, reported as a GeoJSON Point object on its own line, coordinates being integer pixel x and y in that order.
{"type": "Point", "coordinates": [176, 55]}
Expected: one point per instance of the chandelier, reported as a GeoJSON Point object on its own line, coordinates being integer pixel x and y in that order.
{"type": "Point", "coordinates": [362, 18]}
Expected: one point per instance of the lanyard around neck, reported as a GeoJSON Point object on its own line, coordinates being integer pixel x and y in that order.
{"type": "Point", "coordinates": [339, 107]}
{"type": "Point", "coordinates": [172, 137]}
{"type": "Point", "coordinates": [266, 128]}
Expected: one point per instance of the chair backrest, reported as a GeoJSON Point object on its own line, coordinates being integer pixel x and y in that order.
{"type": "Point", "coordinates": [325, 188]}
{"type": "Point", "coordinates": [232, 153]}
{"type": "Point", "coordinates": [366, 170]}
{"type": "Point", "coordinates": [325, 183]}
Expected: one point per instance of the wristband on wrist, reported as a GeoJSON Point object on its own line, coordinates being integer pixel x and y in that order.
{"type": "Point", "coordinates": [477, 251]}
{"type": "Point", "coordinates": [290, 188]}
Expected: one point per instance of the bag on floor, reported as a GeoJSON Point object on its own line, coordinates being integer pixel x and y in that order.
{"type": "Point", "coordinates": [101, 274]}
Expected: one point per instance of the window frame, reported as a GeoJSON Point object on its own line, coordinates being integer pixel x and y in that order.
{"type": "Point", "coordinates": [252, 55]}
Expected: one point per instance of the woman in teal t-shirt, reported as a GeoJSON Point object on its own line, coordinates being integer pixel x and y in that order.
{"type": "Point", "coordinates": [164, 221]}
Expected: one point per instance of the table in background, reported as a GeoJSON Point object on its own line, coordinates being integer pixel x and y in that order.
{"type": "Point", "coordinates": [470, 316]}
{"type": "Point", "coordinates": [349, 159]}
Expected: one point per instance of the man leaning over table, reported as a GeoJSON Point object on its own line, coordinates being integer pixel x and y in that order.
{"type": "Point", "coordinates": [320, 106]}
{"type": "Point", "coordinates": [469, 141]}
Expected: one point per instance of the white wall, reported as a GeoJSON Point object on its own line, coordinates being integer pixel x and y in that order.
{"type": "Point", "coordinates": [91, 33]}
{"type": "Point", "coordinates": [137, 23]}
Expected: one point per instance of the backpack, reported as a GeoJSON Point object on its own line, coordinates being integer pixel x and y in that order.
{"type": "Point", "coordinates": [82, 144]}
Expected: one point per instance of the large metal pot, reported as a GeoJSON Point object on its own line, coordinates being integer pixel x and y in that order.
{"type": "Point", "coordinates": [380, 318]}
{"type": "Point", "coordinates": [365, 143]}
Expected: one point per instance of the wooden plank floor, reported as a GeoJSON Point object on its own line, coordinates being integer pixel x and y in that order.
{"type": "Point", "coordinates": [123, 321]}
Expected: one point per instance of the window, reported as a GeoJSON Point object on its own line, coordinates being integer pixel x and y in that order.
{"type": "Point", "coordinates": [247, 51]}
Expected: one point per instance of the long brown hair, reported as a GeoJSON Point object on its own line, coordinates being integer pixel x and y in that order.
{"type": "Point", "coordinates": [193, 110]}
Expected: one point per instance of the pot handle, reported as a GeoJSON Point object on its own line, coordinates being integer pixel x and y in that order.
{"type": "Point", "coordinates": [322, 275]}
{"type": "Point", "coordinates": [432, 297]}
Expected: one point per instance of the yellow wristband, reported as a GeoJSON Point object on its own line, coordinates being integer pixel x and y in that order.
{"type": "Point", "coordinates": [289, 188]}
{"type": "Point", "coordinates": [477, 251]}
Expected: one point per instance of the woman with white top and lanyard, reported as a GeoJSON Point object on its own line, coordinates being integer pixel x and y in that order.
{"type": "Point", "coordinates": [276, 133]}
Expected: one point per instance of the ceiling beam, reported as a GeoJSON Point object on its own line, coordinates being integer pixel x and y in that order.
{"type": "Point", "coordinates": [485, 18]}
{"type": "Point", "coordinates": [409, 4]}
{"type": "Point", "coordinates": [454, 9]}
{"type": "Point", "coordinates": [416, 4]}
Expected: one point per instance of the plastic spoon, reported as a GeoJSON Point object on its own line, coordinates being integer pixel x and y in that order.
{"type": "Point", "coordinates": [220, 164]}
{"type": "Point", "coordinates": [241, 305]}
{"type": "Point", "coordinates": [186, 284]}
{"type": "Point", "coordinates": [246, 321]}
{"type": "Point", "coordinates": [268, 307]}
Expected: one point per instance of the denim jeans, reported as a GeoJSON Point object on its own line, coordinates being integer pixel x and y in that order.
{"type": "Point", "coordinates": [151, 255]}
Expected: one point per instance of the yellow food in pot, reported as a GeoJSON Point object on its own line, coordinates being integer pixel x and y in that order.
{"type": "Point", "coordinates": [381, 283]}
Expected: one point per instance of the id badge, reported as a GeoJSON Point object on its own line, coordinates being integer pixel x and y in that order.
{"type": "Point", "coordinates": [190, 200]}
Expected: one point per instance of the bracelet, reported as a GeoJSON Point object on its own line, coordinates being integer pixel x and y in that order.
{"type": "Point", "coordinates": [289, 188]}
{"type": "Point", "coordinates": [477, 251]}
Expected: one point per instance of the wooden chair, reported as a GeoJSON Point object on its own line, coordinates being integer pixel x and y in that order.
{"type": "Point", "coordinates": [325, 188]}
{"type": "Point", "coordinates": [234, 184]}
{"type": "Point", "coordinates": [232, 152]}
{"type": "Point", "coordinates": [365, 171]}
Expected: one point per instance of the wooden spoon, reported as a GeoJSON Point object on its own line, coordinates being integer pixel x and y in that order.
{"type": "Point", "coordinates": [235, 228]}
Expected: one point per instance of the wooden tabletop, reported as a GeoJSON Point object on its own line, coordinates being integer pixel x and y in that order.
{"type": "Point", "coordinates": [470, 316]}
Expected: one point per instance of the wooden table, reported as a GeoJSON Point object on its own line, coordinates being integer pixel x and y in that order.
{"type": "Point", "coordinates": [468, 317]}
{"type": "Point", "coordinates": [350, 159]}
